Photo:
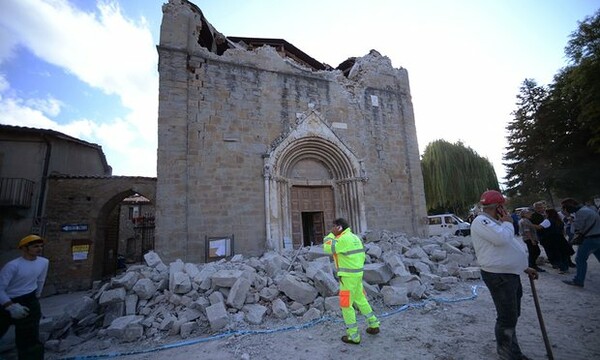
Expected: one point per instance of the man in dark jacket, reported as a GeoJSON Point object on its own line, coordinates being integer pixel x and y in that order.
{"type": "Point", "coordinates": [587, 225]}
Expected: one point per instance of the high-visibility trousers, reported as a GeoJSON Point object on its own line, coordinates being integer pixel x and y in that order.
{"type": "Point", "coordinates": [352, 293]}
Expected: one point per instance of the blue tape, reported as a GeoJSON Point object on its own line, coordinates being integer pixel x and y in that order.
{"type": "Point", "coordinates": [270, 331]}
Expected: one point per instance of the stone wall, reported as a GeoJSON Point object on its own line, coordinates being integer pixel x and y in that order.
{"type": "Point", "coordinates": [222, 118]}
{"type": "Point", "coordinates": [84, 201]}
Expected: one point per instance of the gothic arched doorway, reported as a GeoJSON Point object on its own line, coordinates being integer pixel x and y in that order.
{"type": "Point", "coordinates": [311, 178]}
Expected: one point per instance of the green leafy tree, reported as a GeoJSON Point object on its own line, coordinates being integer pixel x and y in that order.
{"type": "Point", "coordinates": [454, 177]}
{"type": "Point", "coordinates": [554, 137]}
{"type": "Point", "coordinates": [583, 51]}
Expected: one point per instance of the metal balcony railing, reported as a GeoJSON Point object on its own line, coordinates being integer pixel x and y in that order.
{"type": "Point", "coordinates": [16, 192]}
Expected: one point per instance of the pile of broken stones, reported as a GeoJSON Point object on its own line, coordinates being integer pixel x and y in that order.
{"type": "Point", "coordinates": [154, 301]}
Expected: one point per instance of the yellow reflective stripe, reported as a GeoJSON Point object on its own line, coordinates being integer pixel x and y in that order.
{"type": "Point", "coordinates": [349, 252]}
{"type": "Point", "coordinates": [350, 270]}
{"type": "Point", "coordinates": [355, 251]}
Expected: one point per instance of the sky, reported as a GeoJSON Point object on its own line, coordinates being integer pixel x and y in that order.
{"type": "Point", "coordinates": [88, 68]}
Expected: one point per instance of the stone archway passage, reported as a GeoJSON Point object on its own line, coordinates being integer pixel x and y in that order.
{"type": "Point", "coordinates": [89, 201]}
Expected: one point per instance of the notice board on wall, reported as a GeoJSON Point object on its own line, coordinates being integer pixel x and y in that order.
{"type": "Point", "coordinates": [219, 247]}
{"type": "Point", "coordinates": [80, 248]}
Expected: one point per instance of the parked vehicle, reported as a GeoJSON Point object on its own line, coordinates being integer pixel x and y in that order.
{"type": "Point", "coordinates": [448, 224]}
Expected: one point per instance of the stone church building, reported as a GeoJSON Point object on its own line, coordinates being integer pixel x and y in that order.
{"type": "Point", "coordinates": [261, 146]}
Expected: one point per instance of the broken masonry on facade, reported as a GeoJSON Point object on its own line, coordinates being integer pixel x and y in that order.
{"type": "Point", "coordinates": [261, 147]}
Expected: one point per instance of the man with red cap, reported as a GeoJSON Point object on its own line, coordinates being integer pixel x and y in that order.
{"type": "Point", "coordinates": [21, 284]}
{"type": "Point", "coordinates": [502, 258]}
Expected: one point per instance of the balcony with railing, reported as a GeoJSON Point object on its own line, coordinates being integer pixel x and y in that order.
{"type": "Point", "coordinates": [16, 192]}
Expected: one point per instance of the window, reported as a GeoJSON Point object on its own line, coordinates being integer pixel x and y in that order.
{"type": "Point", "coordinates": [435, 221]}
{"type": "Point", "coordinates": [134, 212]}
{"type": "Point", "coordinates": [449, 220]}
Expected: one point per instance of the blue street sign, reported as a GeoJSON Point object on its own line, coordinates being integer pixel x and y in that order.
{"type": "Point", "coordinates": [74, 227]}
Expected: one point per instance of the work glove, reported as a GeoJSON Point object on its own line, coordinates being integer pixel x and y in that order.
{"type": "Point", "coordinates": [17, 311]}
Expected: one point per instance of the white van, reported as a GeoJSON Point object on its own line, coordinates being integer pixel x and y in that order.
{"type": "Point", "coordinates": [448, 224]}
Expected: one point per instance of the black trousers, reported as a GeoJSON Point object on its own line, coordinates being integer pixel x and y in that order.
{"type": "Point", "coordinates": [27, 330]}
{"type": "Point", "coordinates": [534, 252]}
{"type": "Point", "coordinates": [506, 291]}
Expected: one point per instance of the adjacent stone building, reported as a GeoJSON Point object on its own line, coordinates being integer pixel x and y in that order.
{"type": "Point", "coordinates": [261, 146]}
{"type": "Point", "coordinates": [61, 188]}
{"type": "Point", "coordinates": [28, 156]}
{"type": "Point", "coordinates": [83, 228]}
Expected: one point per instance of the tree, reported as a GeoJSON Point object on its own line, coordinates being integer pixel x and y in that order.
{"type": "Point", "coordinates": [523, 163]}
{"type": "Point", "coordinates": [570, 149]}
{"type": "Point", "coordinates": [454, 176]}
{"type": "Point", "coordinates": [554, 137]}
{"type": "Point", "coordinates": [583, 51]}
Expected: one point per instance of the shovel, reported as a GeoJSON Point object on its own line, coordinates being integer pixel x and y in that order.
{"type": "Point", "coordinates": [541, 319]}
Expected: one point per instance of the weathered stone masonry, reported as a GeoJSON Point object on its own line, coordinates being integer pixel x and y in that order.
{"type": "Point", "coordinates": [261, 147]}
{"type": "Point", "coordinates": [85, 200]}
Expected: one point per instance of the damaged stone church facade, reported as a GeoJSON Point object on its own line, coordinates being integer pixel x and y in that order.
{"type": "Point", "coordinates": [261, 146]}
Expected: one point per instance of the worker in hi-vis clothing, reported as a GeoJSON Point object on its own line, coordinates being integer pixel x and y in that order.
{"type": "Point", "coordinates": [349, 257]}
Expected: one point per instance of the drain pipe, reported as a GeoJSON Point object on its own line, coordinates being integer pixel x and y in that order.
{"type": "Point", "coordinates": [42, 200]}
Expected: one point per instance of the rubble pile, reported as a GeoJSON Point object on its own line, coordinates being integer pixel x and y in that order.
{"type": "Point", "coordinates": [155, 301]}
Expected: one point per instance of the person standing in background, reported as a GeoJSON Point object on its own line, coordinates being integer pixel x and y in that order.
{"type": "Point", "coordinates": [539, 215]}
{"type": "Point", "coordinates": [530, 237]}
{"type": "Point", "coordinates": [21, 284]}
{"type": "Point", "coordinates": [586, 225]}
{"type": "Point", "coordinates": [554, 232]}
{"type": "Point", "coordinates": [515, 218]}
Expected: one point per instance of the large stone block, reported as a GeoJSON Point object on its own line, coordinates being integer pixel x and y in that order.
{"type": "Point", "coordinates": [217, 316]}
{"type": "Point", "coordinates": [144, 288]}
{"type": "Point", "coordinates": [297, 290]}
{"type": "Point", "coordinates": [377, 273]}
{"type": "Point", "coordinates": [239, 291]}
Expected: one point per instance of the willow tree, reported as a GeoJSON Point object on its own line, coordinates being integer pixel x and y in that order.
{"type": "Point", "coordinates": [455, 176]}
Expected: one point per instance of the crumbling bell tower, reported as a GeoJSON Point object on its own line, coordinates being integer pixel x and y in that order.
{"type": "Point", "coordinates": [261, 146]}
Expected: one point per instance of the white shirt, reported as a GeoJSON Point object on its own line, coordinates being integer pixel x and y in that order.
{"type": "Point", "coordinates": [496, 248]}
{"type": "Point", "coordinates": [21, 276]}
{"type": "Point", "coordinates": [545, 224]}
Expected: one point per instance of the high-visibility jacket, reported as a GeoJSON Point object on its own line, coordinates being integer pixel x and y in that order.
{"type": "Point", "coordinates": [348, 253]}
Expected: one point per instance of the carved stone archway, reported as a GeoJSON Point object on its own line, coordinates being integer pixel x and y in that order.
{"type": "Point", "coordinates": [311, 142]}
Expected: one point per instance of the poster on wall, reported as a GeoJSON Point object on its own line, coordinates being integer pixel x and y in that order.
{"type": "Point", "coordinates": [80, 249]}
{"type": "Point", "coordinates": [219, 247]}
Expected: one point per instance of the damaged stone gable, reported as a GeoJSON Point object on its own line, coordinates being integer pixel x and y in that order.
{"type": "Point", "coordinates": [261, 147]}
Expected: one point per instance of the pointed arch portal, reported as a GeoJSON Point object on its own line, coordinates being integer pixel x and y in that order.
{"type": "Point", "coordinates": [311, 178]}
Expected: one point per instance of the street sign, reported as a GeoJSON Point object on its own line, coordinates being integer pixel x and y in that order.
{"type": "Point", "coordinates": [74, 227]}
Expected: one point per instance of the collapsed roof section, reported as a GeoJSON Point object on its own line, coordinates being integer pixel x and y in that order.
{"type": "Point", "coordinates": [215, 42]}
{"type": "Point", "coordinates": [284, 48]}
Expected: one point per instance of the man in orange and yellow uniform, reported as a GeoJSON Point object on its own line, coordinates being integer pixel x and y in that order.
{"type": "Point", "coordinates": [349, 257]}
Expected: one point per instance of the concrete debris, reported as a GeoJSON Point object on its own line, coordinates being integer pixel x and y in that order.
{"type": "Point", "coordinates": [154, 301]}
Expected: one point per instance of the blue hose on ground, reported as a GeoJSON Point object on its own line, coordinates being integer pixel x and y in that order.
{"type": "Point", "coordinates": [270, 331]}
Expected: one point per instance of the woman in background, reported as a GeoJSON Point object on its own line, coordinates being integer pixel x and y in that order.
{"type": "Point", "coordinates": [554, 231]}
